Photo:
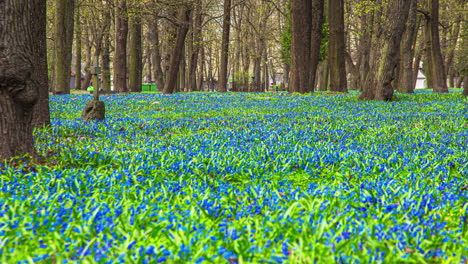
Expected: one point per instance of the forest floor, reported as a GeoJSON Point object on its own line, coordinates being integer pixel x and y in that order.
{"type": "Point", "coordinates": [243, 178]}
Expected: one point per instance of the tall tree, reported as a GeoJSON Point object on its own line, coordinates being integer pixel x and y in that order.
{"type": "Point", "coordinates": [306, 22]}
{"type": "Point", "coordinates": [177, 52]}
{"type": "Point", "coordinates": [41, 114]}
{"type": "Point", "coordinates": [120, 56]}
{"type": "Point", "coordinates": [78, 47]}
{"type": "Point", "coordinates": [135, 54]}
{"type": "Point", "coordinates": [64, 21]}
{"type": "Point", "coordinates": [408, 46]}
{"type": "Point", "coordinates": [225, 47]}
{"type": "Point", "coordinates": [385, 49]}
{"type": "Point", "coordinates": [434, 59]}
{"type": "Point", "coordinates": [337, 46]}
{"type": "Point", "coordinates": [19, 82]}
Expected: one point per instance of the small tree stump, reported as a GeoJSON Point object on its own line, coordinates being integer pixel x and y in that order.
{"type": "Point", "coordinates": [94, 110]}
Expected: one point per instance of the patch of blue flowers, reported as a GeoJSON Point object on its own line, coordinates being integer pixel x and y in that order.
{"type": "Point", "coordinates": [243, 178]}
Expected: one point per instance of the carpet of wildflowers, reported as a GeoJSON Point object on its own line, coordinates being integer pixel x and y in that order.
{"type": "Point", "coordinates": [243, 178]}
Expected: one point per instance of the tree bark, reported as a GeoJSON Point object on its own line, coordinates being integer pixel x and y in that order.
{"type": "Point", "coordinates": [158, 71]}
{"type": "Point", "coordinates": [176, 56]}
{"type": "Point", "coordinates": [301, 14]}
{"type": "Point", "coordinates": [106, 72]}
{"type": "Point", "coordinates": [405, 84]}
{"type": "Point", "coordinates": [78, 48]}
{"type": "Point", "coordinates": [120, 55]}
{"type": "Point", "coordinates": [41, 114]}
{"type": "Point", "coordinates": [225, 47]}
{"type": "Point", "coordinates": [19, 40]}
{"type": "Point", "coordinates": [306, 30]}
{"type": "Point", "coordinates": [136, 55]}
{"type": "Point", "coordinates": [316, 40]}
{"type": "Point", "coordinates": [378, 84]}
{"type": "Point", "coordinates": [337, 46]}
{"type": "Point", "coordinates": [439, 79]}
{"type": "Point", "coordinates": [63, 44]}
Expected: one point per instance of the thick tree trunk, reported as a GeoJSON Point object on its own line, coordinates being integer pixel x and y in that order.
{"type": "Point", "coordinates": [78, 48]}
{"type": "Point", "coordinates": [197, 38]}
{"type": "Point", "coordinates": [378, 84]}
{"type": "Point", "coordinates": [63, 44]}
{"type": "Point", "coordinates": [439, 79]}
{"type": "Point", "coordinates": [316, 40]}
{"type": "Point", "coordinates": [176, 56]}
{"type": "Point", "coordinates": [225, 47]}
{"type": "Point", "coordinates": [120, 55]}
{"type": "Point", "coordinates": [136, 55]}
{"type": "Point", "coordinates": [306, 26]}
{"type": "Point", "coordinates": [301, 14]}
{"type": "Point", "coordinates": [337, 46]}
{"type": "Point", "coordinates": [158, 70]}
{"type": "Point", "coordinates": [19, 41]}
{"type": "Point", "coordinates": [106, 72]}
{"type": "Point", "coordinates": [41, 115]}
{"type": "Point", "coordinates": [405, 84]}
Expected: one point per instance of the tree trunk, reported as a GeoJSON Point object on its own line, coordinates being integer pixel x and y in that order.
{"type": "Point", "coordinates": [197, 38]}
{"type": "Point", "coordinates": [136, 54]}
{"type": "Point", "coordinates": [63, 44]}
{"type": "Point", "coordinates": [337, 46]}
{"type": "Point", "coordinates": [41, 114]}
{"type": "Point", "coordinates": [78, 49]}
{"type": "Point", "coordinates": [465, 85]}
{"type": "Point", "coordinates": [22, 35]}
{"type": "Point", "coordinates": [405, 84]}
{"type": "Point", "coordinates": [106, 72]}
{"type": "Point", "coordinates": [378, 84]}
{"type": "Point", "coordinates": [158, 71]}
{"type": "Point", "coordinates": [316, 40]}
{"type": "Point", "coordinates": [200, 78]}
{"type": "Point", "coordinates": [439, 79]}
{"type": "Point", "coordinates": [301, 14]}
{"type": "Point", "coordinates": [120, 55]}
{"type": "Point", "coordinates": [176, 56]}
{"type": "Point", "coordinates": [225, 47]}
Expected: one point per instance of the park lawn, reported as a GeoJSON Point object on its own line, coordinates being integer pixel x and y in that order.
{"type": "Point", "coordinates": [243, 178]}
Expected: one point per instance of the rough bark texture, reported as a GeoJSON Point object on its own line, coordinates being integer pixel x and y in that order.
{"type": "Point", "coordinates": [378, 84]}
{"type": "Point", "coordinates": [337, 46]}
{"type": "Point", "coordinates": [41, 114]}
{"type": "Point", "coordinates": [120, 56]}
{"type": "Point", "coordinates": [158, 71]}
{"type": "Point", "coordinates": [94, 110]}
{"type": "Point", "coordinates": [106, 72]}
{"type": "Point", "coordinates": [136, 56]}
{"type": "Point", "coordinates": [439, 79]}
{"type": "Point", "coordinates": [225, 47]}
{"type": "Point", "coordinates": [316, 39]}
{"type": "Point", "coordinates": [301, 13]}
{"type": "Point", "coordinates": [63, 44]}
{"type": "Point", "coordinates": [405, 83]}
{"type": "Point", "coordinates": [18, 84]}
{"type": "Point", "coordinates": [78, 48]}
{"type": "Point", "coordinates": [197, 38]}
{"type": "Point", "coordinates": [176, 56]}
